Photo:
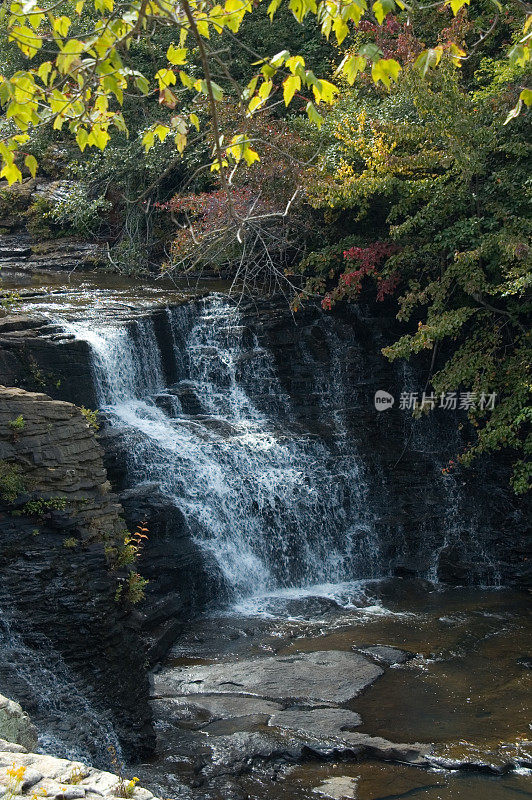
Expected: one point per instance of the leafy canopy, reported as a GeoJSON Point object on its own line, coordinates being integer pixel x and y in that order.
{"type": "Point", "coordinates": [77, 68]}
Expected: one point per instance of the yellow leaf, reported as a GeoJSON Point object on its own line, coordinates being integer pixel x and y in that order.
{"type": "Point", "coordinates": [341, 29]}
{"type": "Point", "coordinates": [11, 173]}
{"type": "Point", "coordinates": [385, 70]}
{"type": "Point", "coordinates": [351, 66]}
{"type": "Point", "coordinates": [177, 55]}
{"type": "Point", "coordinates": [61, 25]}
{"type": "Point", "coordinates": [291, 85]}
{"type": "Point", "coordinates": [195, 121]}
{"type": "Point", "coordinates": [82, 137]}
{"type": "Point", "coordinates": [265, 89]}
{"type": "Point", "coordinates": [250, 156]}
{"type": "Point", "coordinates": [165, 77]}
{"type": "Point", "coordinates": [31, 163]}
{"type": "Point", "coordinates": [254, 103]}
{"type": "Point", "coordinates": [44, 70]}
{"type": "Point", "coordinates": [26, 39]}
{"type": "Point", "coordinates": [180, 141]}
{"type": "Point", "coordinates": [456, 5]}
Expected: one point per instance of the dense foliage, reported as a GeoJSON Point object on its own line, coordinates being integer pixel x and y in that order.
{"type": "Point", "coordinates": [439, 190]}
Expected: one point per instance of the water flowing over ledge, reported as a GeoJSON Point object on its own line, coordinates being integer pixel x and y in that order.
{"type": "Point", "coordinates": [274, 497]}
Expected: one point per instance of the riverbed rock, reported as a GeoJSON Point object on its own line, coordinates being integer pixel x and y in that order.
{"type": "Point", "coordinates": [328, 676]}
{"type": "Point", "coordinates": [339, 788]}
{"type": "Point", "coordinates": [385, 654]}
{"type": "Point", "coordinates": [15, 724]}
{"type": "Point", "coordinates": [320, 722]}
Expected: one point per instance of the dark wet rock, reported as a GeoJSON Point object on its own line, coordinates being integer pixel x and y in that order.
{"type": "Point", "coordinates": [240, 751]}
{"type": "Point", "coordinates": [320, 722]}
{"type": "Point", "coordinates": [385, 655]}
{"type": "Point", "coordinates": [187, 582]}
{"type": "Point", "coordinates": [219, 706]}
{"type": "Point", "coordinates": [36, 357]}
{"type": "Point", "coordinates": [311, 607]}
{"type": "Point", "coordinates": [329, 676]}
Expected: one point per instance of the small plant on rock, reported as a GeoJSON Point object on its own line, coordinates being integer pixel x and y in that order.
{"type": "Point", "coordinates": [15, 778]}
{"type": "Point", "coordinates": [70, 543]}
{"type": "Point", "coordinates": [17, 425]}
{"type": "Point", "coordinates": [12, 482]}
{"type": "Point", "coordinates": [91, 418]}
{"type": "Point", "coordinates": [41, 507]}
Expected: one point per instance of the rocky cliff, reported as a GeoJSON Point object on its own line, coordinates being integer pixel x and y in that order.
{"type": "Point", "coordinates": [57, 594]}
{"type": "Point", "coordinates": [30, 774]}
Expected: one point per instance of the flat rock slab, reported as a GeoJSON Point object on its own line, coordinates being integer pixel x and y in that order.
{"type": "Point", "coordinates": [342, 788]}
{"type": "Point", "coordinates": [328, 676]}
{"type": "Point", "coordinates": [320, 722]}
{"type": "Point", "coordinates": [222, 706]}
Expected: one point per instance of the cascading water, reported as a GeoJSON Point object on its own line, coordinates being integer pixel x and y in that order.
{"type": "Point", "coordinates": [69, 724]}
{"type": "Point", "coordinates": [274, 506]}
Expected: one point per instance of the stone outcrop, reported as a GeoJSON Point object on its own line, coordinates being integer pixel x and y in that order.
{"type": "Point", "coordinates": [57, 516]}
{"type": "Point", "coordinates": [36, 356]}
{"type": "Point", "coordinates": [15, 724]}
{"type": "Point", "coordinates": [312, 678]}
{"type": "Point", "coordinates": [58, 455]}
{"type": "Point", "coordinates": [26, 774]}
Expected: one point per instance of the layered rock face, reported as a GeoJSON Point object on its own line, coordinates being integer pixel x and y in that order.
{"type": "Point", "coordinates": [31, 248]}
{"type": "Point", "coordinates": [35, 357]}
{"type": "Point", "coordinates": [57, 593]}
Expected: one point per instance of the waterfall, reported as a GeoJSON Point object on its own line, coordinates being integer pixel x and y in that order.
{"type": "Point", "coordinates": [34, 673]}
{"type": "Point", "coordinates": [274, 505]}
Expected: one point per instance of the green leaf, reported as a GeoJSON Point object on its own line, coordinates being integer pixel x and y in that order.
{"type": "Point", "coordinates": [142, 84]}
{"type": "Point", "coordinates": [31, 163]}
{"type": "Point", "coordinates": [314, 115]}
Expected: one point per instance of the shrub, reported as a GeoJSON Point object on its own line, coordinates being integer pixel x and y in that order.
{"type": "Point", "coordinates": [18, 424]}
{"type": "Point", "coordinates": [12, 482]}
{"type": "Point", "coordinates": [91, 417]}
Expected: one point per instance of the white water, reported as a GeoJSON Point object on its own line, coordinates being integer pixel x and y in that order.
{"type": "Point", "coordinates": [69, 723]}
{"type": "Point", "coordinates": [273, 506]}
